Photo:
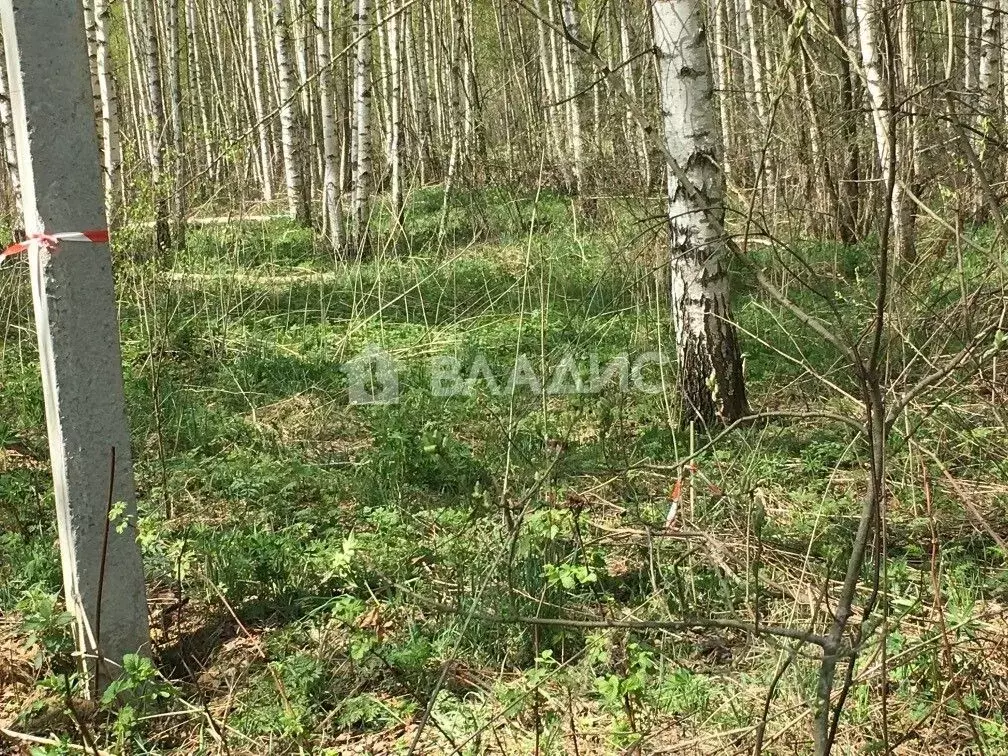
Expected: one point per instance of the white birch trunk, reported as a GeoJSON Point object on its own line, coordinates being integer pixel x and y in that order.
{"type": "Point", "coordinates": [747, 20]}
{"type": "Point", "coordinates": [419, 96]}
{"type": "Point", "coordinates": [971, 46]}
{"type": "Point", "coordinates": [990, 61]}
{"type": "Point", "coordinates": [873, 82]}
{"type": "Point", "coordinates": [571, 24]}
{"type": "Point", "coordinates": [111, 145]}
{"type": "Point", "coordinates": [554, 132]}
{"type": "Point", "coordinates": [721, 67]}
{"type": "Point", "coordinates": [10, 151]}
{"type": "Point", "coordinates": [711, 384]}
{"type": "Point", "coordinates": [92, 44]}
{"type": "Point", "coordinates": [290, 137]}
{"type": "Point", "coordinates": [332, 210]}
{"type": "Point", "coordinates": [360, 212]}
{"type": "Point", "coordinates": [178, 156]}
{"type": "Point", "coordinates": [879, 103]}
{"type": "Point", "coordinates": [395, 114]}
{"type": "Point", "coordinates": [155, 126]}
{"type": "Point", "coordinates": [262, 127]}
{"type": "Point", "coordinates": [196, 75]}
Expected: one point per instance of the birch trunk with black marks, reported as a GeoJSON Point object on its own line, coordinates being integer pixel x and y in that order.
{"type": "Point", "coordinates": [177, 125]}
{"type": "Point", "coordinates": [10, 152]}
{"type": "Point", "coordinates": [889, 149]}
{"type": "Point", "coordinates": [990, 61]}
{"type": "Point", "coordinates": [92, 44]}
{"type": "Point", "coordinates": [753, 67]}
{"type": "Point", "coordinates": [990, 95]}
{"type": "Point", "coordinates": [395, 157]}
{"type": "Point", "coordinates": [332, 210]}
{"type": "Point", "coordinates": [361, 207]}
{"type": "Point", "coordinates": [258, 101]}
{"type": "Point", "coordinates": [111, 145]}
{"type": "Point", "coordinates": [290, 126]}
{"type": "Point", "coordinates": [555, 134]}
{"type": "Point", "coordinates": [711, 383]}
{"type": "Point", "coordinates": [849, 193]}
{"type": "Point", "coordinates": [155, 127]}
{"type": "Point", "coordinates": [573, 96]}
{"type": "Point", "coordinates": [196, 90]}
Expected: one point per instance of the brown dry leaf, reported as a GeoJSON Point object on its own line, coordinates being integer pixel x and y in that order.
{"type": "Point", "coordinates": [374, 622]}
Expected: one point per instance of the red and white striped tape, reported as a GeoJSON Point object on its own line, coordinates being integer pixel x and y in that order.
{"type": "Point", "coordinates": [96, 236]}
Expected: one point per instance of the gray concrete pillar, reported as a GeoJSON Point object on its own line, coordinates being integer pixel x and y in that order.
{"type": "Point", "coordinates": [78, 332]}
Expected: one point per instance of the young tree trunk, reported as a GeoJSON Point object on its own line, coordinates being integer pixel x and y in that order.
{"type": "Point", "coordinates": [753, 65]}
{"type": "Point", "coordinates": [195, 75]}
{"type": "Point", "coordinates": [92, 44]}
{"type": "Point", "coordinates": [262, 126]}
{"type": "Point", "coordinates": [303, 42]}
{"type": "Point", "coordinates": [361, 208]}
{"type": "Point", "coordinates": [290, 126]}
{"type": "Point", "coordinates": [432, 72]}
{"type": "Point", "coordinates": [156, 127]}
{"type": "Point", "coordinates": [10, 152]}
{"type": "Point", "coordinates": [711, 383]}
{"type": "Point", "coordinates": [888, 152]}
{"type": "Point", "coordinates": [971, 46]}
{"type": "Point", "coordinates": [640, 144]}
{"type": "Point", "coordinates": [137, 108]}
{"type": "Point", "coordinates": [721, 50]}
{"type": "Point", "coordinates": [990, 93]}
{"type": "Point", "coordinates": [178, 128]}
{"type": "Point", "coordinates": [395, 115]}
{"type": "Point", "coordinates": [908, 137]}
{"type": "Point", "coordinates": [820, 163]}
{"type": "Point", "coordinates": [419, 94]}
{"type": "Point", "coordinates": [847, 209]}
{"type": "Point", "coordinates": [573, 96]}
{"type": "Point", "coordinates": [474, 143]}
{"type": "Point", "coordinates": [111, 146]}
{"type": "Point", "coordinates": [332, 210]}
{"type": "Point", "coordinates": [990, 61]}
{"type": "Point", "coordinates": [551, 95]}
{"type": "Point", "coordinates": [453, 84]}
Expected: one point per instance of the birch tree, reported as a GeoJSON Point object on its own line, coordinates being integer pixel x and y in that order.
{"type": "Point", "coordinates": [711, 384]}
{"type": "Point", "coordinates": [332, 210]}
{"type": "Point", "coordinates": [990, 60]}
{"type": "Point", "coordinates": [111, 147]}
{"type": "Point", "coordinates": [290, 125]}
{"type": "Point", "coordinates": [573, 94]}
{"type": "Point", "coordinates": [258, 99]}
{"type": "Point", "coordinates": [887, 147]}
{"type": "Point", "coordinates": [395, 106]}
{"type": "Point", "coordinates": [362, 125]}
{"type": "Point", "coordinates": [10, 152]}
{"type": "Point", "coordinates": [155, 125]}
{"type": "Point", "coordinates": [177, 125]}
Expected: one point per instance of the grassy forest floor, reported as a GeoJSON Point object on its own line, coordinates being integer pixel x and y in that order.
{"type": "Point", "coordinates": [334, 578]}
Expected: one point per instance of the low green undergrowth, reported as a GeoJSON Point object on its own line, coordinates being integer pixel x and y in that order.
{"type": "Point", "coordinates": [472, 571]}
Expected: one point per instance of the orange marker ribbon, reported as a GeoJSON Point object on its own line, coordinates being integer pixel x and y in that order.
{"type": "Point", "coordinates": [97, 236]}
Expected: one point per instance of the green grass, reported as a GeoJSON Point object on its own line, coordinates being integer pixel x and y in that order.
{"type": "Point", "coordinates": [366, 550]}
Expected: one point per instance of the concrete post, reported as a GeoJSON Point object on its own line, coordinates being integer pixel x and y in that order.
{"type": "Point", "coordinates": [78, 333]}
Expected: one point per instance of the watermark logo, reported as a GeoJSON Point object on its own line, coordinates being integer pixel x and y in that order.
{"type": "Point", "coordinates": [373, 378]}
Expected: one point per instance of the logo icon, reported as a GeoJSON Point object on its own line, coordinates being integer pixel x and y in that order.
{"type": "Point", "coordinates": [372, 377]}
